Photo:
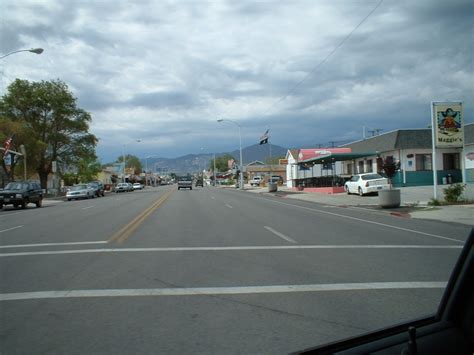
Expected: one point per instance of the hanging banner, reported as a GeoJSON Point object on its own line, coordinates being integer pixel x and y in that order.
{"type": "Point", "coordinates": [448, 124]}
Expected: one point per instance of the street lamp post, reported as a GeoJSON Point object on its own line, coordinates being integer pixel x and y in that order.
{"type": "Point", "coordinates": [32, 50]}
{"type": "Point", "coordinates": [240, 149]}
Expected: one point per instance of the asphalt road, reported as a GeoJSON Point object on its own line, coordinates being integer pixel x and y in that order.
{"type": "Point", "coordinates": [211, 271]}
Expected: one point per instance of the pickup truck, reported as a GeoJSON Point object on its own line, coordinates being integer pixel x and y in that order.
{"type": "Point", "coordinates": [185, 182]}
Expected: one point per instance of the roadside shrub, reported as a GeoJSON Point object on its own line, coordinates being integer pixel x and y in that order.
{"type": "Point", "coordinates": [453, 193]}
{"type": "Point", "coordinates": [434, 202]}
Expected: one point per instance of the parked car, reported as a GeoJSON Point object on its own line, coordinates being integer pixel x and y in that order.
{"type": "Point", "coordinates": [130, 186]}
{"type": "Point", "coordinates": [80, 191]}
{"type": "Point", "coordinates": [137, 186]}
{"type": "Point", "coordinates": [366, 183]}
{"type": "Point", "coordinates": [98, 187]}
{"type": "Point", "coordinates": [122, 187]}
{"type": "Point", "coordinates": [21, 193]}
{"type": "Point", "coordinates": [275, 179]}
{"type": "Point", "coordinates": [256, 181]}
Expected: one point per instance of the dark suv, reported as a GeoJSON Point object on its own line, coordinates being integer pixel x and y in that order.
{"type": "Point", "coordinates": [21, 193]}
{"type": "Point", "coordinates": [98, 188]}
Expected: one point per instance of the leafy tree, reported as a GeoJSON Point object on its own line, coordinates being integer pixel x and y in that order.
{"type": "Point", "coordinates": [221, 163]}
{"type": "Point", "coordinates": [131, 161]}
{"type": "Point", "coordinates": [53, 128]}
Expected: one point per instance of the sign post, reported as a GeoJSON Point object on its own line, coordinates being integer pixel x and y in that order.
{"type": "Point", "coordinates": [447, 131]}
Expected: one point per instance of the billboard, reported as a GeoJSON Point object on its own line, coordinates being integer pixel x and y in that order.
{"type": "Point", "coordinates": [448, 124]}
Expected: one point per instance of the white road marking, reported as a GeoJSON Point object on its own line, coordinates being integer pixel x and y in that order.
{"type": "Point", "coordinates": [271, 247]}
{"type": "Point", "coordinates": [49, 244]}
{"type": "Point", "coordinates": [229, 206]}
{"type": "Point", "coordinates": [364, 220]}
{"type": "Point", "coordinates": [204, 291]}
{"type": "Point", "coordinates": [85, 208]}
{"type": "Point", "coordinates": [278, 234]}
{"type": "Point", "coordinates": [10, 229]}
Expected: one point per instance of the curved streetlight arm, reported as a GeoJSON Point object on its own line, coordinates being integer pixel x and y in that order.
{"type": "Point", "coordinates": [33, 50]}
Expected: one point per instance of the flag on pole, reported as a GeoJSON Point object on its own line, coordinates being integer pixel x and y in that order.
{"type": "Point", "coordinates": [264, 138]}
{"type": "Point", "coordinates": [6, 146]}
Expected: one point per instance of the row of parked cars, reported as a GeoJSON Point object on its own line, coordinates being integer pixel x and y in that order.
{"type": "Point", "coordinates": [88, 190]}
{"type": "Point", "coordinates": [127, 187]}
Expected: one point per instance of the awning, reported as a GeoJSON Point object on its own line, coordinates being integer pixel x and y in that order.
{"type": "Point", "coordinates": [333, 157]}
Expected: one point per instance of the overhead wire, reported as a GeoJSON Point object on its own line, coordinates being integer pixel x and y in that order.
{"type": "Point", "coordinates": [325, 59]}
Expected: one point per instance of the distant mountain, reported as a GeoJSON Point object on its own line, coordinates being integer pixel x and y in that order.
{"type": "Point", "coordinates": [196, 162]}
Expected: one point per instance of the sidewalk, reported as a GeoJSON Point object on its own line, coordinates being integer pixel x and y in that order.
{"type": "Point", "coordinates": [414, 202]}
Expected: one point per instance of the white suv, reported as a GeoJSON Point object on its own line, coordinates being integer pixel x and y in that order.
{"type": "Point", "coordinates": [256, 181]}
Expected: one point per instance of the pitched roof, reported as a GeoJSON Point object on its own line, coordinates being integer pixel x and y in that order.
{"type": "Point", "coordinates": [293, 153]}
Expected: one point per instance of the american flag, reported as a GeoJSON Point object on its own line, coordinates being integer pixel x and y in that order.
{"type": "Point", "coordinates": [6, 146]}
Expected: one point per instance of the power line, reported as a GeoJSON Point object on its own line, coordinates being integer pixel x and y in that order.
{"type": "Point", "coordinates": [323, 61]}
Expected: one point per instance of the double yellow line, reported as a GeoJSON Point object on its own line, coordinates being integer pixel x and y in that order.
{"type": "Point", "coordinates": [124, 233]}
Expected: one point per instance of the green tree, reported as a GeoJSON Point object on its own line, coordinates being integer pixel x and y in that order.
{"type": "Point", "coordinates": [221, 163]}
{"type": "Point", "coordinates": [131, 161]}
{"type": "Point", "coordinates": [53, 127]}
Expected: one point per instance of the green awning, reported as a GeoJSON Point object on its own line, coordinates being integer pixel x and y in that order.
{"type": "Point", "coordinates": [333, 157]}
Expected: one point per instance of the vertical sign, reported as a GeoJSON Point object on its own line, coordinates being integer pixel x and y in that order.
{"type": "Point", "coordinates": [447, 131]}
{"type": "Point", "coordinates": [449, 128]}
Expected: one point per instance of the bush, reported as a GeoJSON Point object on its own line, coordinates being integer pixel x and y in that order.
{"type": "Point", "coordinates": [434, 202]}
{"type": "Point", "coordinates": [454, 192]}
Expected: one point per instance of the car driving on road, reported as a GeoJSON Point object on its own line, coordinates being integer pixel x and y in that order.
{"type": "Point", "coordinates": [21, 193]}
{"type": "Point", "coordinates": [366, 183]}
{"type": "Point", "coordinates": [185, 182]}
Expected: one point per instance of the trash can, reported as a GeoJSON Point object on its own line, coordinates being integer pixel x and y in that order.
{"type": "Point", "coordinates": [272, 187]}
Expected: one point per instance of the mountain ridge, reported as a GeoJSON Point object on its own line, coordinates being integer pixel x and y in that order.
{"type": "Point", "coordinates": [195, 162]}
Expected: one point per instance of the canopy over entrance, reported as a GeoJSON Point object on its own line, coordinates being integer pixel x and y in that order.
{"type": "Point", "coordinates": [333, 157]}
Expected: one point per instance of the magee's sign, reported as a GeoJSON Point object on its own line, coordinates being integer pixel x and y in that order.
{"type": "Point", "coordinates": [448, 124]}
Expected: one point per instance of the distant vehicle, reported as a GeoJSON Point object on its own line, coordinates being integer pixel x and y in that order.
{"type": "Point", "coordinates": [199, 182]}
{"type": "Point", "coordinates": [366, 183]}
{"type": "Point", "coordinates": [121, 187]}
{"type": "Point", "coordinates": [256, 181]}
{"type": "Point", "coordinates": [21, 193]}
{"type": "Point", "coordinates": [130, 186]}
{"type": "Point", "coordinates": [137, 186]}
{"type": "Point", "coordinates": [80, 191]}
{"type": "Point", "coordinates": [98, 188]}
{"type": "Point", "coordinates": [185, 182]}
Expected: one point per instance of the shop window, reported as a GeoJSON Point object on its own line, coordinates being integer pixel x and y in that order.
{"type": "Point", "coordinates": [423, 162]}
{"type": "Point", "coordinates": [369, 166]}
{"type": "Point", "coordinates": [349, 169]}
{"type": "Point", "coordinates": [450, 161]}
{"type": "Point", "coordinates": [361, 167]}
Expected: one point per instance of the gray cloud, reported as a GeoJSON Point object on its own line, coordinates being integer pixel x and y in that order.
{"type": "Point", "coordinates": [164, 72]}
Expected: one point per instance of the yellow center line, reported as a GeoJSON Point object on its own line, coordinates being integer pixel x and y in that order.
{"type": "Point", "coordinates": [125, 232]}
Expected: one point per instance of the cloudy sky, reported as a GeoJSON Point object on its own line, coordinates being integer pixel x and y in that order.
{"type": "Point", "coordinates": [163, 72]}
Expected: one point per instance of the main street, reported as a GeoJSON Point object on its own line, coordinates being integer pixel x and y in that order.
{"type": "Point", "coordinates": [211, 270]}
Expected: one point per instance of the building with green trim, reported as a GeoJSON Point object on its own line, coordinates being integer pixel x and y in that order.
{"type": "Point", "coordinates": [413, 148]}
